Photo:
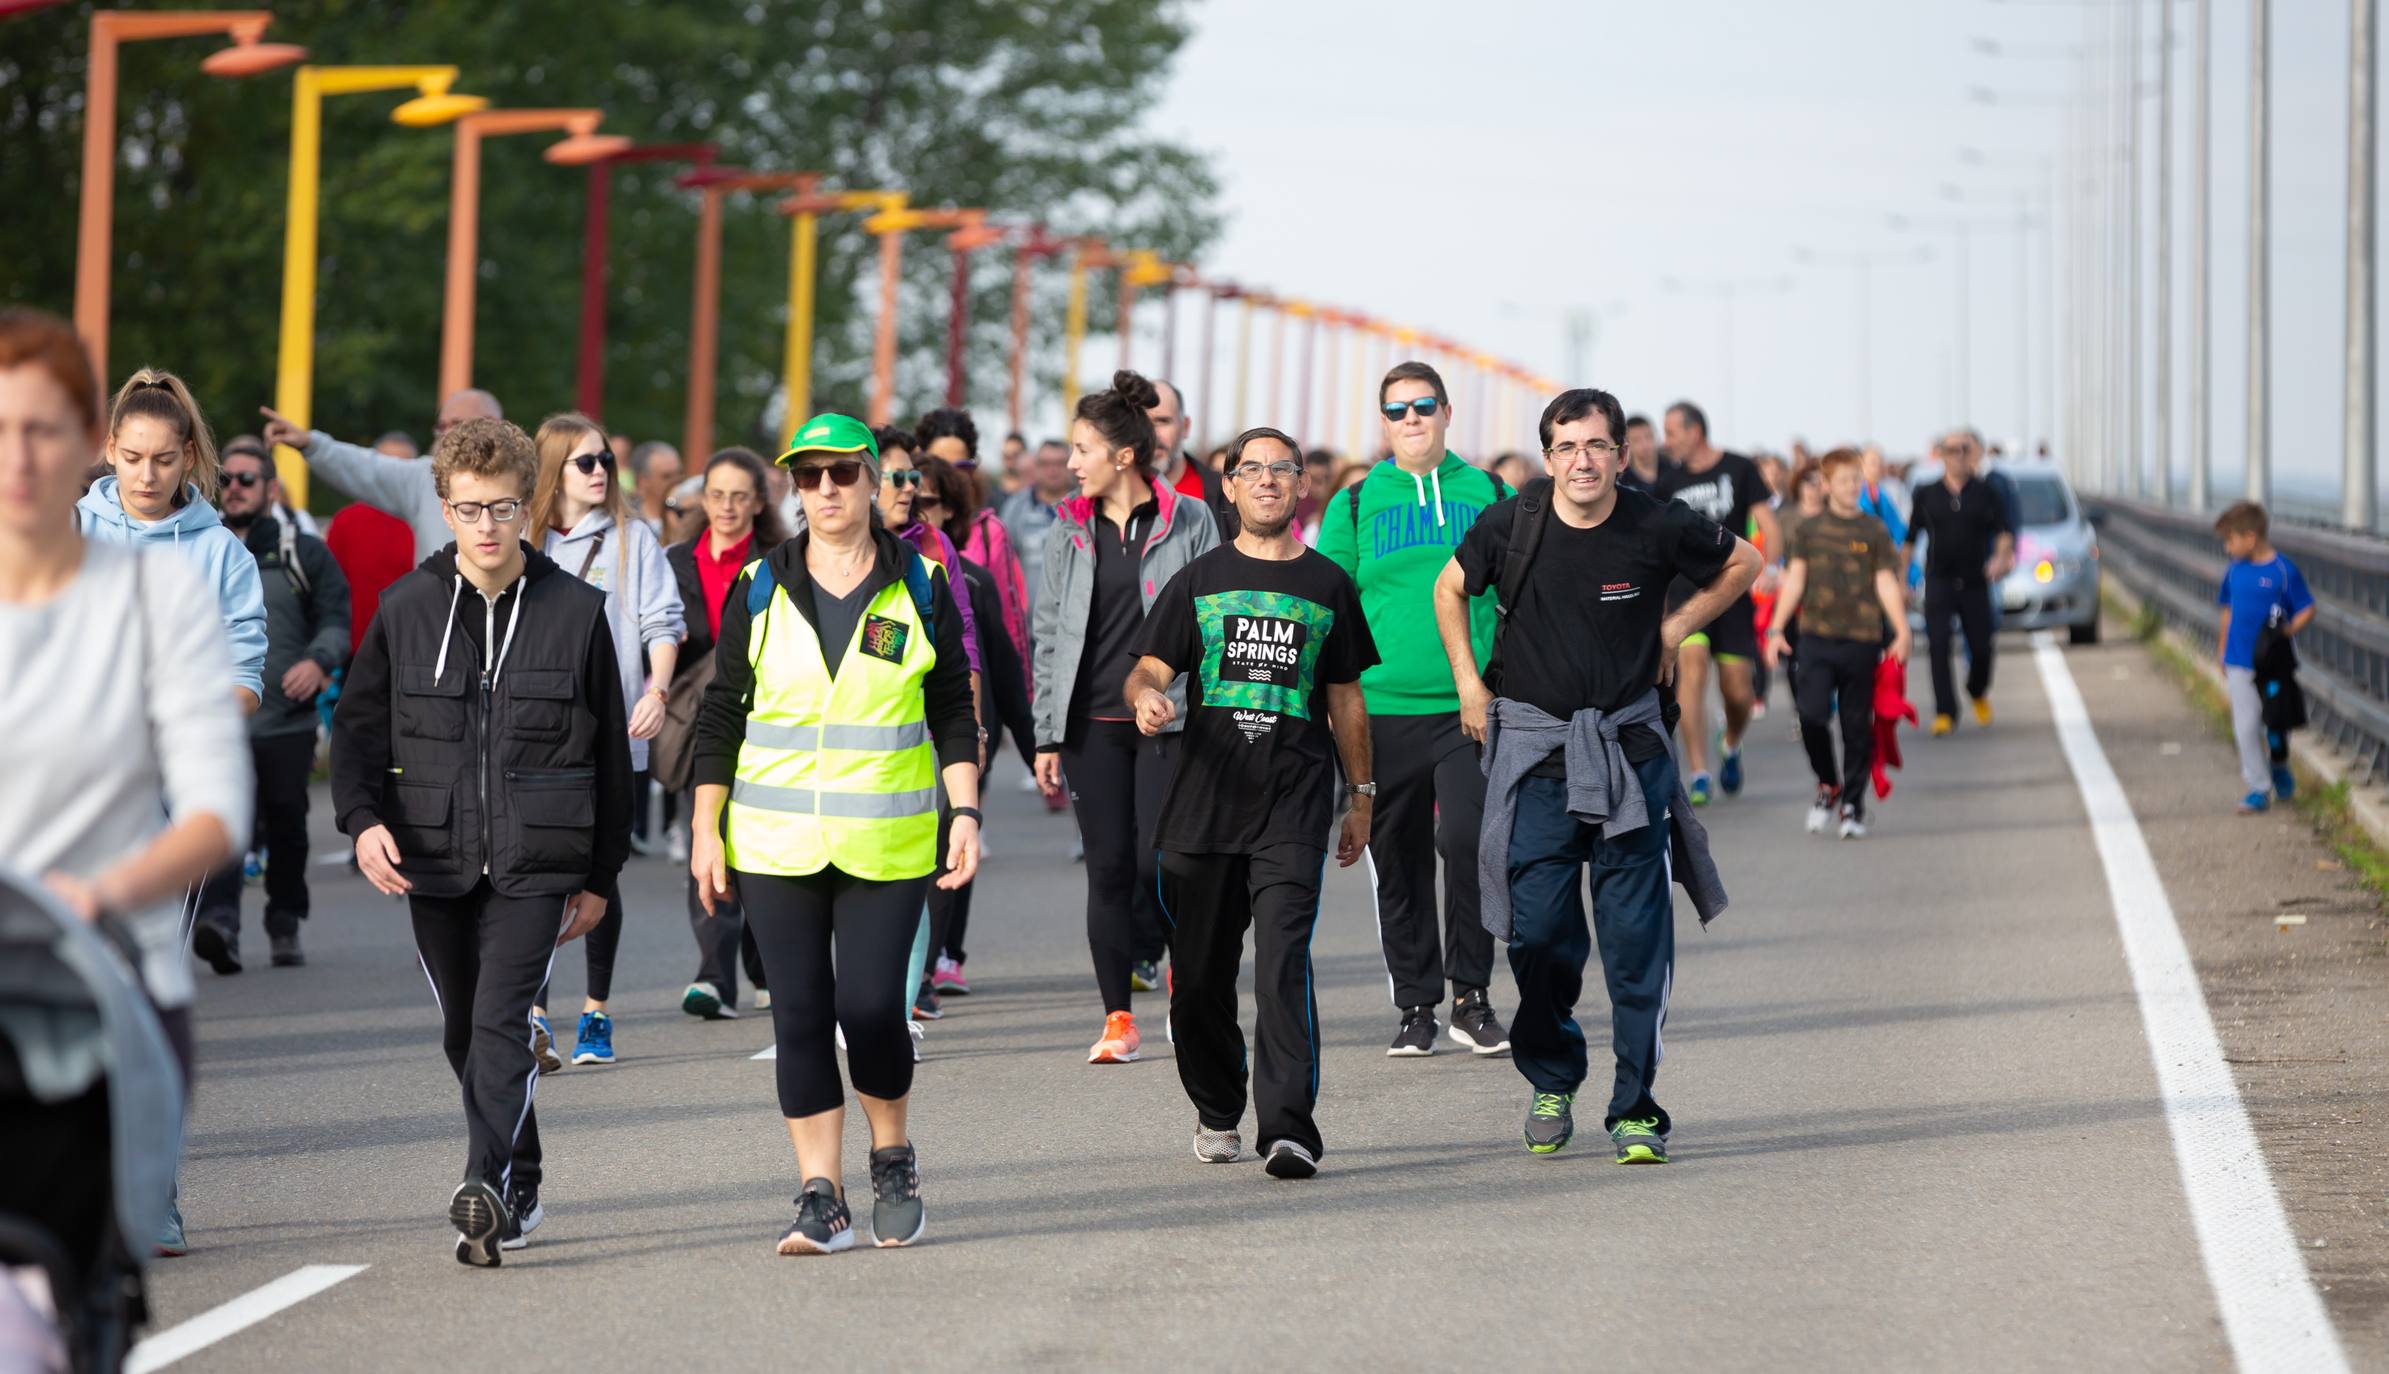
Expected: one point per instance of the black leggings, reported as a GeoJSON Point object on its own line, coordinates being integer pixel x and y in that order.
{"type": "Point", "coordinates": [600, 945]}
{"type": "Point", "coordinates": [949, 912]}
{"type": "Point", "coordinates": [794, 921]}
{"type": "Point", "coordinates": [1117, 780]}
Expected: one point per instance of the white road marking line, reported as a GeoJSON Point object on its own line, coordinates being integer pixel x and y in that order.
{"type": "Point", "coordinates": [239, 1314]}
{"type": "Point", "coordinates": [770, 1051]}
{"type": "Point", "coordinates": [2271, 1311]}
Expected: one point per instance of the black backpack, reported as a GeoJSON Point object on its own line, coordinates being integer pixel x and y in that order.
{"type": "Point", "coordinates": [1526, 535]}
{"type": "Point", "coordinates": [1501, 492]}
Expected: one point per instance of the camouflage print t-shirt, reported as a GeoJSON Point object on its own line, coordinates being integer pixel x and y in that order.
{"type": "Point", "coordinates": [1843, 555]}
{"type": "Point", "coordinates": [1258, 640]}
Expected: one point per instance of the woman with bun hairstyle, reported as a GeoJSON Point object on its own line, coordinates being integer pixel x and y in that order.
{"type": "Point", "coordinates": [967, 518]}
{"type": "Point", "coordinates": [161, 493]}
{"type": "Point", "coordinates": [1116, 544]}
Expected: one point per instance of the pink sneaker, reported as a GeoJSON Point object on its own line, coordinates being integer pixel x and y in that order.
{"type": "Point", "coordinates": [948, 980]}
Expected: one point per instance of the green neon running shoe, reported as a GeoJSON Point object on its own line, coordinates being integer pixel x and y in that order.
{"type": "Point", "coordinates": [1639, 1141]}
{"type": "Point", "coordinates": [1549, 1123]}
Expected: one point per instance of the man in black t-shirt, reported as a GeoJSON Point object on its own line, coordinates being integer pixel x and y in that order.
{"type": "Point", "coordinates": [1727, 488]}
{"type": "Point", "coordinates": [1586, 637]}
{"type": "Point", "coordinates": [1272, 640]}
{"type": "Point", "coordinates": [1973, 546]}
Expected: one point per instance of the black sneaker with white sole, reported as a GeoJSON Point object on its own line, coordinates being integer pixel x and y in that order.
{"type": "Point", "coordinates": [896, 1214]}
{"type": "Point", "coordinates": [523, 1215]}
{"type": "Point", "coordinates": [1415, 1037]}
{"type": "Point", "coordinates": [1289, 1160]}
{"type": "Point", "coordinates": [1475, 1025]}
{"type": "Point", "coordinates": [823, 1226]}
{"type": "Point", "coordinates": [481, 1219]}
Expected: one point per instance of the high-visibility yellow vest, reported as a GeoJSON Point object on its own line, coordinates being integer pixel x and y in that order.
{"type": "Point", "coordinates": [837, 770]}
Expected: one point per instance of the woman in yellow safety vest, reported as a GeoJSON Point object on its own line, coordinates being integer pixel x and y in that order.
{"type": "Point", "coordinates": [841, 698]}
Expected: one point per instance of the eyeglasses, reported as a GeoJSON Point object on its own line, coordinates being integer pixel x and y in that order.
{"type": "Point", "coordinates": [1424, 407]}
{"type": "Point", "coordinates": [844, 474]}
{"type": "Point", "coordinates": [727, 498]}
{"type": "Point", "coordinates": [591, 462]}
{"type": "Point", "coordinates": [470, 512]}
{"type": "Point", "coordinates": [245, 479]}
{"type": "Point", "coordinates": [1593, 448]}
{"type": "Point", "coordinates": [1284, 470]}
{"type": "Point", "coordinates": [904, 477]}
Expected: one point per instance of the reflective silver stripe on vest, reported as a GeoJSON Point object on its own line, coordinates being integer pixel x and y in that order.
{"type": "Point", "coordinates": [858, 806]}
{"type": "Point", "coordinates": [768, 735]}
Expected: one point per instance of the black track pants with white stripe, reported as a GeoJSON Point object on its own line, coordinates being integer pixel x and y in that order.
{"type": "Point", "coordinates": [1430, 805]}
{"type": "Point", "coordinates": [486, 955]}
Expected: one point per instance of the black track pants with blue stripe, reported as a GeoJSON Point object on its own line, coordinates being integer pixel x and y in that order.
{"type": "Point", "coordinates": [1208, 901]}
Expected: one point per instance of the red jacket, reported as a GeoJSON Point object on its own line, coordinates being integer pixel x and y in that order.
{"type": "Point", "coordinates": [373, 550]}
{"type": "Point", "coordinates": [1891, 707]}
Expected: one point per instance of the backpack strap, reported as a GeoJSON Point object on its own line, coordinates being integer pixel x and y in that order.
{"type": "Point", "coordinates": [1526, 536]}
{"type": "Point", "coordinates": [916, 580]}
{"type": "Point", "coordinates": [760, 587]}
{"type": "Point", "coordinates": [289, 537]}
{"type": "Point", "coordinates": [1352, 504]}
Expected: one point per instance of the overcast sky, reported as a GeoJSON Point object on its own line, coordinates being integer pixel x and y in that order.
{"type": "Point", "coordinates": [1479, 170]}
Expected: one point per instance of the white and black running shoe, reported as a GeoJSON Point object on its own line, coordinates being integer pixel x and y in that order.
{"type": "Point", "coordinates": [1853, 823]}
{"type": "Point", "coordinates": [1415, 1039]}
{"type": "Point", "coordinates": [1820, 811]}
{"type": "Point", "coordinates": [897, 1218]}
{"type": "Point", "coordinates": [1289, 1160]}
{"type": "Point", "coordinates": [480, 1218]}
{"type": "Point", "coordinates": [1217, 1147]}
{"type": "Point", "coordinates": [1475, 1025]}
{"type": "Point", "coordinates": [823, 1226]}
{"type": "Point", "coordinates": [523, 1215]}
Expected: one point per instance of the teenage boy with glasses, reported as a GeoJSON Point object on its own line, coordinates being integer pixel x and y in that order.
{"type": "Point", "coordinates": [1394, 532]}
{"type": "Point", "coordinates": [481, 762]}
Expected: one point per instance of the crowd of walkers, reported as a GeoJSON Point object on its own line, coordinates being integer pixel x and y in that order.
{"type": "Point", "coordinates": [538, 654]}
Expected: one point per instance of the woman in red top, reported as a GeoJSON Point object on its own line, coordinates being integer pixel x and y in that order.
{"type": "Point", "coordinates": [740, 526]}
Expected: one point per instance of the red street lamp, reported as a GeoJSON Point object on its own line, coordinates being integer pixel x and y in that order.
{"type": "Point", "coordinates": [962, 243]}
{"type": "Point", "coordinates": [1037, 244]}
{"type": "Point", "coordinates": [95, 222]}
{"type": "Point", "coordinates": [592, 370]}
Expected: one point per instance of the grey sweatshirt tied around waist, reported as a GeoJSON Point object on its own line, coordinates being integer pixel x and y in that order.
{"type": "Point", "coordinates": [1603, 790]}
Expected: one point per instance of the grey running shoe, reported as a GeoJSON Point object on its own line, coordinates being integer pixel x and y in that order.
{"type": "Point", "coordinates": [1415, 1039]}
{"type": "Point", "coordinates": [1474, 1024]}
{"type": "Point", "coordinates": [823, 1226]}
{"type": "Point", "coordinates": [1549, 1122]}
{"type": "Point", "coordinates": [1289, 1160]}
{"type": "Point", "coordinates": [1639, 1141]}
{"type": "Point", "coordinates": [480, 1218]}
{"type": "Point", "coordinates": [896, 1215]}
{"type": "Point", "coordinates": [1217, 1147]}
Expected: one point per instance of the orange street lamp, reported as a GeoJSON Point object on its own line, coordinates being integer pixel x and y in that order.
{"type": "Point", "coordinates": [1037, 245]}
{"type": "Point", "coordinates": [705, 310]}
{"type": "Point", "coordinates": [891, 224]}
{"type": "Point", "coordinates": [581, 146]}
{"type": "Point", "coordinates": [95, 222]}
{"type": "Point", "coordinates": [1087, 254]}
{"type": "Point", "coordinates": [1309, 315]}
{"type": "Point", "coordinates": [1139, 267]}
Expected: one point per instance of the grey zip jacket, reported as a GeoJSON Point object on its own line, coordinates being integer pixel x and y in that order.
{"type": "Point", "coordinates": [398, 486]}
{"type": "Point", "coordinates": [1182, 532]}
{"type": "Point", "coordinates": [1603, 790]}
{"type": "Point", "coordinates": [642, 595]}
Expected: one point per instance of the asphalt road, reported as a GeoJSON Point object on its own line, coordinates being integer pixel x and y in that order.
{"type": "Point", "coordinates": [1917, 1127]}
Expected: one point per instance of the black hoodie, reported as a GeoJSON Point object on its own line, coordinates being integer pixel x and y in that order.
{"type": "Point", "coordinates": [361, 755]}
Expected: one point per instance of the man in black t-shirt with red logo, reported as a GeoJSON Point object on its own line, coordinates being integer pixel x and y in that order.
{"type": "Point", "coordinates": [1727, 488]}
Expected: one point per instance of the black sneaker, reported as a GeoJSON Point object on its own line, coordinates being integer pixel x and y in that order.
{"type": "Point", "coordinates": [481, 1219]}
{"type": "Point", "coordinates": [1145, 975]}
{"type": "Point", "coordinates": [1289, 1160]}
{"type": "Point", "coordinates": [219, 947]}
{"type": "Point", "coordinates": [925, 1005]}
{"type": "Point", "coordinates": [896, 1215]}
{"type": "Point", "coordinates": [1474, 1024]}
{"type": "Point", "coordinates": [1416, 1037]}
{"type": "Point", "coordinates": [523, 1215]}
{"type": "Point", "coordinates": [823, 1226]}
{"type": "Point", "coordinates": [287, 953]}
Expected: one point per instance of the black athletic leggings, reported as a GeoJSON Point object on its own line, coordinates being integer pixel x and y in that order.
{"type": "Point", "coordinates": [836, 948]}
{"type": "Point", "coordinates": [600, 945]}
{"type": "Point", "coordinates": [949, 912]}
{"type": "Point", "coordinates": [1117, 780]}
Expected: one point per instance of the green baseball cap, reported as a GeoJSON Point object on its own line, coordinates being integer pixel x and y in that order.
{"type": "Point", "coordinates": [831, 432]}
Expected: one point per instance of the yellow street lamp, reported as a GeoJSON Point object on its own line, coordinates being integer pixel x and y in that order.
{"type": "Point", "coordinates": [294, 373]}
{"type": "Point", "coordinates": [1086, 254]}
{"type": "Point", "coordinates": [805, 213]}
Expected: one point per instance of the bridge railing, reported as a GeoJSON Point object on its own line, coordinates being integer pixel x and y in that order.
{"type": "Point", "coordinates": [2174, 562]}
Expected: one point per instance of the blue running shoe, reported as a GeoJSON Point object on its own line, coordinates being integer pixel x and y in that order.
{"type": "Point", "coordinates": [2285, 783]}
{"type": "Point", "coordinates": [1698, 790]}
{"type": "Point", "coordinates": [1729, 772]}
{"type": "Point", "coordinates": [2254, 803]}
{"type": "Point", "coordinates": [593, 1043]}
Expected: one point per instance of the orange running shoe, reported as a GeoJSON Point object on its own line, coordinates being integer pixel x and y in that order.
{"type": "Point", "coordinates": [1119, 1042]}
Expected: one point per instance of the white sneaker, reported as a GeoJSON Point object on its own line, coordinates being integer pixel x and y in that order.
{"type": "Point", "coordinates": [1820, 811]}
{"type": "Point", "coordinates": [762, 1000]}
{"type": "Point", "coordinates": [1852, 827]}
{"type": "Point", "coordinates": [916, 1040]}
{"type": "Point", "coordinates": [1028, 782]}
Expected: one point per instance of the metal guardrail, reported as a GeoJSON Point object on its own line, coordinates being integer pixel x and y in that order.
{"type": "Point", "coordinates": [2174, 562]}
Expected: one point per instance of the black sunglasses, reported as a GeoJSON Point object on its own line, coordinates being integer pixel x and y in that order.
{"type": "Point", "coordinates": [1424, 405]}
{"type": "Point", "coordinates": [844, 474]}
{"type": "Point", "coordinates": [245, 479]}
{"type": "Point", "coordinates": [591, 462]}
{"type": "Point", "coordinates": [905, 477]}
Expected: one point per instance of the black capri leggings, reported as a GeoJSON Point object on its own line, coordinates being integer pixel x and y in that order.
{"type": "Point", "coordinates": [1117, 781]}
{"type": "Point", "coordinates": [800, 925]}
{"type": "Point", "coordinates": [599, 947]}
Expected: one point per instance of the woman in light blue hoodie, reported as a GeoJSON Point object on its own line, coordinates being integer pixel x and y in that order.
{"type": "Point", "coordinates": [162, 495]}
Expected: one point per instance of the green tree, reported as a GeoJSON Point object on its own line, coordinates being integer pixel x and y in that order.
{"type": "Point", "coordinates": [1030, 108]}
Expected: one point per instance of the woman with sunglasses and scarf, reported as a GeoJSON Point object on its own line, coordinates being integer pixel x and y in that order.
{"type": "Point", "coordinates": [841, 700]}
{"type": "Point", "coordinates": [585, 523]}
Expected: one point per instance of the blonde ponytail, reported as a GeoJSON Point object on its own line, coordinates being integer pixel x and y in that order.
{"type": "Point", "coordinates": [160, 395]}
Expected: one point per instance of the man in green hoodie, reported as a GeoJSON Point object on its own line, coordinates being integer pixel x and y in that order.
{"type": "Point", "coordinates": [1393, 533]}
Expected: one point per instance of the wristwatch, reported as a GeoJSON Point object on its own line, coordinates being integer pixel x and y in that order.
{"type": "Point", "coordinates": [1360, 789]}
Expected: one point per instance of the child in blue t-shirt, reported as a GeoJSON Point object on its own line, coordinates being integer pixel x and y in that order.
{"type": "Point", "coordinates": [2258, 582]}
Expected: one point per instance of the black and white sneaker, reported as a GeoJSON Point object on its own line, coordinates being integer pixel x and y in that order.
{"type": "Point", "coordinates": [823, 1226]}
{"type": "Point", "coordinates": [1289, 1160]}
{"type": "Point", "coordinates": [523, 1215]}
{"type": "Point", "coordinates": [1853, 823]}
{"type": "Point", "coordinates": [1415, 1039]}
{"type": "Point", "coordinates": [1475, 1025]}
{"type": "Point", "coordinates": [480, 1218]}
{"type": "Point", "coordinates": [1820, 811]}
{"type": "Point", "coordinates": [896, 1215]}
{"type": "Point", "coordinates": [221, 949]}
